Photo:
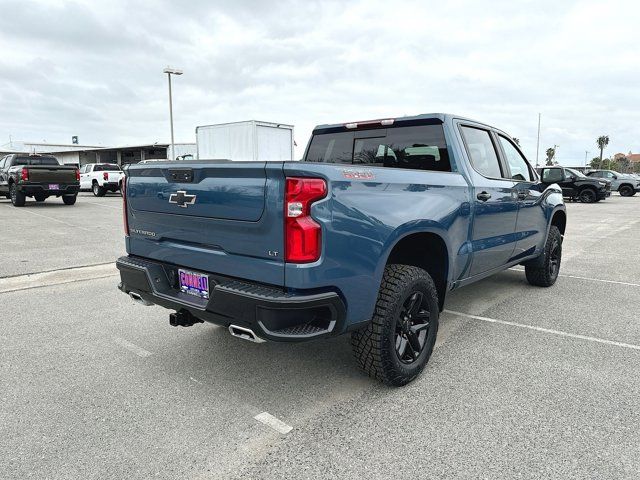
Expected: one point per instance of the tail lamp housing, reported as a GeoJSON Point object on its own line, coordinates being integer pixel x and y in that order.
{"type": "Point", "coordinates": [24, 174]}
{"type": "Point", "coordinates": [105, 176]}
{"type": "Point", "coordinates": [303, 235]}
{"type": "Point", "coordinates": [77, 174]}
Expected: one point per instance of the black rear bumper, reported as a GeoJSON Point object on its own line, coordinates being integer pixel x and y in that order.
{"type": "Point", "coordinates": [271, 313]}
{"type": "Point", "coordinates": [35, 188]}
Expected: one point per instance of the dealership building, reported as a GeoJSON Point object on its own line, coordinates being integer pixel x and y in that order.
{"type": "Point", "coordinates": [75, 154]}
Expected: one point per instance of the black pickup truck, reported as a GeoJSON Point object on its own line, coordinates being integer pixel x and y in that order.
{"type": "Point", "coordinates": [37, 176]}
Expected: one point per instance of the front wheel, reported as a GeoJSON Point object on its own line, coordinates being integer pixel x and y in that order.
{"type": "Point", "coordinates": [588, 195]}
{"type": "Point", "coordinates": [626, 191]}
{"type": "Point", "coordinates": [546, 274]}
{"type": "Point", "coordinates": [396, 345]}
{"type": "Point", "coordinates": [98, 191]}
{"type": "Point", "coordinates": [18, 198]}
{"type": "Point", "coordinates": [69, 199]}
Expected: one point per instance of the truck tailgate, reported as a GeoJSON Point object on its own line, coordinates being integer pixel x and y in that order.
{"type": "Point", "coordinates": [216, 217]}
{"type": "Point", "coordinates": [52, 174]}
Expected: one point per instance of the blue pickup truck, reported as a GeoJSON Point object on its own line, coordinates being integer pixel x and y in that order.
{"type": "Point", "coordinates": [365, 235]}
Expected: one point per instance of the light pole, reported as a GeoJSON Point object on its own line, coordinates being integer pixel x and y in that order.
{"type": "Point", "coordinates": [171, 71]}
{"type": "Point", "coordinates": [538, 144]}
{"type": "Point", "coordinates": [555, 152]}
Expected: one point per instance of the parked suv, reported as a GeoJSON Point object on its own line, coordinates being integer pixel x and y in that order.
{"type": "Point", "coordinates": [365, 235]}
{"type": "Point", "coordinates": [625, 185]}
{"type": "Point", "coordinates": [575, 185]}
{"type": "Point", "coordinates": [101, 178]}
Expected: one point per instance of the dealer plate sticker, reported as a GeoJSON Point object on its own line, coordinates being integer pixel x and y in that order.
{"type": "Point", "coordinates": [54, 186]}
{"type": "Point", "coordinates": [193, 283]}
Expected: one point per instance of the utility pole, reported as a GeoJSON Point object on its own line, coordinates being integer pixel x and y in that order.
{"type": "Point", "coordinates": [538, 144]}
{"type": "Point", "coordinates": [171, 71]}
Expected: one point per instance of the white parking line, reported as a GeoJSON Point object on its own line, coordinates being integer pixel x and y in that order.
{"type": "Point", "coordinates": [57, 277]}
{"type": "Point", "coordinates": [546, 330]}
{"type": "Point", "coordinates": [141, 352]}
{"type": "Point", "coordinates": [56, 220]}
{"type": "Point", "coordinates": [119, 207]}
{"type": "Point", "coordinates": [629, 284]}
{"type": "Point", "coordinates": [273, 422]}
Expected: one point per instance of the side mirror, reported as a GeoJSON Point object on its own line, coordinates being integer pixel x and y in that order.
{"type": "Point", "coordinates": [615, 177]}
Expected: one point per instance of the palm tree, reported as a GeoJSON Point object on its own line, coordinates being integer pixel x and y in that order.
{"type": "Point", "coordinates": [551, 152]}
{"type": "Point", "coordinates": [602, 143]}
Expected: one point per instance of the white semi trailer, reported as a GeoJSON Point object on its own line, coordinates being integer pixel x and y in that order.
{"type": "Point", "coordinates": [245, 141]}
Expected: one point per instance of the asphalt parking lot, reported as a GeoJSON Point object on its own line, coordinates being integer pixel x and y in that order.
{"type": "Point", "coordinates": [524, 382]}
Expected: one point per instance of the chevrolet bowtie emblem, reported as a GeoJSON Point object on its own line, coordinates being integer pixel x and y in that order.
{"type": "Point", "coordinates": [182, 198]}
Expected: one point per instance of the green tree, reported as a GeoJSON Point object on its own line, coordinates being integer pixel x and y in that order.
{"type": "Point", "coordinates": [602, 143]}
{"type": "Point", "coordinates": [595, 163]}
{"type": "Point", "coordinates": [623, 164]}
{"type": "Point", "coordinates": [551, 153]}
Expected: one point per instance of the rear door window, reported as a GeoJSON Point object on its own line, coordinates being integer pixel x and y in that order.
{"type": "Point", "coordinates": [482, 152]}
{"type": "Point", "coordinates": [421, 147]}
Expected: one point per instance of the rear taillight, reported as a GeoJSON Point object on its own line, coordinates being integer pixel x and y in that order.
{"type": "Point", "coordinates": [77, 175]}
{"type": "Point", "coordinates": [105, 176]}
{"type": "Point", "coordinates": [303, 236]}
{"type": "Point", "coordinates": [24, 174]}
{"type": "Point", "coordinates": [123, 191]}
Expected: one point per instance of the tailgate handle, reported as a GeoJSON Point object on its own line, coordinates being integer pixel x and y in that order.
{"type": "Point", "coordinates": [183, 175]}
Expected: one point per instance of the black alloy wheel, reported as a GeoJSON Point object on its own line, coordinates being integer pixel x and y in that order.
{"type": "Point", "coordinates": [625, 191]}
{"type": "Point", "coordinates": [412, 328]}
{"type": "Point", "coordinates": [587, 196]}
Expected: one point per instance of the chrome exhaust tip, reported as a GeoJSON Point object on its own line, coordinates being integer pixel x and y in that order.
{"type": "Point", "coordinates": [138, 299]}
{"type": "Point", "coordinates": [245, 334]}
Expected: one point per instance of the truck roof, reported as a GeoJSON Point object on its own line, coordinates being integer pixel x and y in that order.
{"type": "Point", "coordinates": [425, 119]}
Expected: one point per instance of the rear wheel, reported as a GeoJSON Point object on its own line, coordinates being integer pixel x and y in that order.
{"type": "Point", "coordinates": [69, 199]}
{"type": "Point", "coordinates": [547, 274]}
{"type": "Point", "coordinates": [18, 198]}
{"type": "Point", "coordinates": [396, 345]}
{"type": "Point", "coordinates": [626, 191]}
{"type": "Point", "coordinates": [98, 191]}
{"type": "Point", "coordinates": [587, 195]}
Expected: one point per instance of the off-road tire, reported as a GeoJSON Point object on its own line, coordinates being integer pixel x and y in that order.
{"type": "Point", "coordinates": [97, 190]}
{"type": "Point", "coordinates": [18, 198]}
{"type": "Point", "coordinates": [588, 195]}
{"type": "Point", "coordinates": [547, 274]}
{"type": "Point", "coordinates": [626, 191]}
{"type": "Point", "coordinates": [69, 199]}
{"type": "Point", "coordinates": [374, 346]}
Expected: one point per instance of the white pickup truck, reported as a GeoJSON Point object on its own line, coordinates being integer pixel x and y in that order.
{"type": "Point", "coordinates": [101, 178]}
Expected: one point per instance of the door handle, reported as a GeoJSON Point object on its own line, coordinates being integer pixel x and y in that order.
{"type": "Point", "coordinates": [523, 194]}
{"type": "Point", "coordinates": [483, 196]}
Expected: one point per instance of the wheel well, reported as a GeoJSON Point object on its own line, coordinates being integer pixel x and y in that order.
{"type": "Point", "coordinates": [427, 251]}
{"type": "Point", "coordinates": [588, 187]}
{"type": "Point", "coordinates": [560, 220]}
{"type": "Point", "coordinates": [625, 185]}
{"type": "Point", "coordinates": [94, 181]}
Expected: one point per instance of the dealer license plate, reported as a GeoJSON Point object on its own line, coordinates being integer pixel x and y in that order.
{"type": "Point", "coordinates": [54, 186]}
{"type": "Point", "coordinates": [193, 283]}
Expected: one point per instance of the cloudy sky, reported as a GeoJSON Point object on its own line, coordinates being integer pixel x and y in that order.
{"type": "Point", "coordinates": [94, 69]}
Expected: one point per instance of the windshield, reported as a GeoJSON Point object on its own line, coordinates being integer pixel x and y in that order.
{"type": "Point", "coordinates": [577, 173]}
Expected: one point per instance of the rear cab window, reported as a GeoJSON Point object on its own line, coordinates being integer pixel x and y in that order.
{"type": "Point", "coordinates": [417, 147]}
{"type": "Point", "coordinates": [106, 168]}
